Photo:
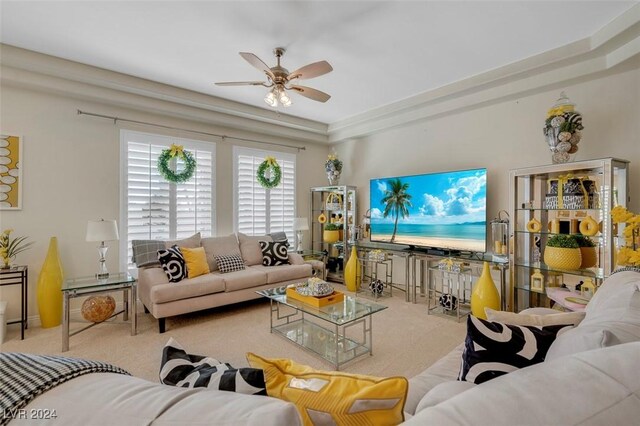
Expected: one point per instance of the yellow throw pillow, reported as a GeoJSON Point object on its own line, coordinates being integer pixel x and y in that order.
{"type": "Point", "coordinates": [328, 397]}
{"type": "Point", "coordinates": [196, 260]}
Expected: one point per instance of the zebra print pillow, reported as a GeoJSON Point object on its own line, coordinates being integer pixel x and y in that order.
{"type": "Point", "coordinates": [194, 371]}
{"type": "Point", "coordinates": [274, 253]}
{"type": "Point", "coordinates": [492, 349]}
{"type": "Point", "coordinates": [173, 263]}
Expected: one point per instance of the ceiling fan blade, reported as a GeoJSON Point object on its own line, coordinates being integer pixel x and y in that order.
{"type": "Point", "coordinates": [241, 83]}
{"type": "Point", "coordinates": [313, 70]}
{"type": "Point", "coordinates": [310, 93]}
{"type": "Point", "coordinates": [257, 62]}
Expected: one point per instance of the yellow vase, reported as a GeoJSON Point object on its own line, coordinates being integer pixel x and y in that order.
{"type": "Point", "coordinates": [351, 276]}
{"type": "Point", "coordinates": [49, 288]}
{"type": "Point", "coordinates": [485, 294]}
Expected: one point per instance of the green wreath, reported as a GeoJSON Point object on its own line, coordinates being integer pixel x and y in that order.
{"type": "Point", "coordinates": [167, 155]}
{"type": "Point", "coordinates": [269, 164]}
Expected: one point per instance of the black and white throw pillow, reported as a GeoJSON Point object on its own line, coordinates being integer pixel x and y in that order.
{"type": "Point", "coordinates": [173, 263]}
{"type": "Point", "coordinates": [230, 263]}
{"type": "Point", "coordinates": [492, 349]}
{"type": "Point", "coordinates": [178, 368]}
{"type": "Point", "coordinates": [274, 253]}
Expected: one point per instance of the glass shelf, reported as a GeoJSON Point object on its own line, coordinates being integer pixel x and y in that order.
{"type": "Point", "coordinates": [554, 233]}
{"type": "Point", "coordinates": [556, 210]}
{"type": "Point", "coordinates": [590, 273]}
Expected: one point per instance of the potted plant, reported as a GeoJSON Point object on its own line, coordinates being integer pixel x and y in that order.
{"type": "Point", "coordinates": [562, 252]}
{"type": "Point", "coordinates": [587, 251]}
{"type": "Point", "coordinates": [331, 232]}
{"type": "Point", "coordinates": [10, 247]}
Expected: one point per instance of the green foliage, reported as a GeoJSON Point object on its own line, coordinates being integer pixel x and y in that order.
{"type": "Point", "coordinates": [332, 227]}
{"type": "Point", "coordinates": [562, 241]}
{"type": "Point", "coordinates": [583, 241]}
{"type": "Point", "coordinates": [276, 174]}
{"type": "Point", "coordinates": [171, 176]}
{"type": "Point", "coordinates": [397, 202]}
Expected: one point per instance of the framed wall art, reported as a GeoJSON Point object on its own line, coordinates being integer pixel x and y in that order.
{"type": "Point", "coordinates": [10, 172]}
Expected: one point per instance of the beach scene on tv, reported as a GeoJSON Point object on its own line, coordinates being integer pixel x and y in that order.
{"type": "Point", "coordinates": [439, 210]}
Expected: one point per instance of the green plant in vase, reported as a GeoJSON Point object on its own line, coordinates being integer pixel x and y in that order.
{"type": "Point", "coordinates": [587, 251]}
{"type": "Point", "coordinates": [10, 247]}
{"type": "Point", "coordinates": [562, 252]}
{"type": "Point", "coordinates": [331, 232]}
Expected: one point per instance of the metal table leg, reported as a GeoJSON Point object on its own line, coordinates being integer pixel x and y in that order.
{"type": "Point", "coordinates": [125, 301]}
{"type": "Point", "coordinates": [65, 322]}
{"type": "Point", "coordinates": [134, 314]}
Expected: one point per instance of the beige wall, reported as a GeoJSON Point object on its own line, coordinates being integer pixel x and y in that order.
{"type": "Point", "coordinates": [504, 136]}
{"type": "Point", "coordinates": [72, 174]}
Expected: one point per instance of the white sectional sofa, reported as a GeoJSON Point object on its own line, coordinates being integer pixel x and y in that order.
{"type": "Point", "coordinates": [593, 379]}
{"type": "Point", "coordinates": [165, 299]}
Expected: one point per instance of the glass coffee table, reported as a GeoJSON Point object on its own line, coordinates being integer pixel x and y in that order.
{"type": "Point", "coordinates": [86, 286]}
{"type": "Point", "coordinates": [337, 333]}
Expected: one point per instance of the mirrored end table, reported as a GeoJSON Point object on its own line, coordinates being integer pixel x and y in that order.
{"type": "Point", "coordinates": [87, 286]}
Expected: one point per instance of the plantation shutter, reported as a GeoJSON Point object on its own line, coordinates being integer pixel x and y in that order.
{"type": "Point", "coordinates": [155, 209]}
{"type": "Point", "coordinates": [259, 211]}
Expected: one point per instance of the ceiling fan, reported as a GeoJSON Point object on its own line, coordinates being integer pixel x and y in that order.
{"type": "Point", "coordinates": [280, 79]}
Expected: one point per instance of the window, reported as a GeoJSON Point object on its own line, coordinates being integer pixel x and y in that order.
{"type": "Point", "coordinates": [258, 211]}
{"type": "Point", "coordinates": [154, 209]}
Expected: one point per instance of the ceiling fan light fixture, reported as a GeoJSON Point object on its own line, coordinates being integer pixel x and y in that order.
{"type": "Point", "coordinates": [285, 100]}
{"type": "Point", "coordinates": [271, 98]}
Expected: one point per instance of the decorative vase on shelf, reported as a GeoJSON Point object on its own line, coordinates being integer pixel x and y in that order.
{"type": "Point", "coordinates": [351, 276]}
{"type": "Point", "coordinates": [563, 130]}
{"type": "Point", "coordinates": [485, 294]}
{"type": "Point", "coordinates": [49, 288]}
{"type": "Point", "coordinates": [334, 177]}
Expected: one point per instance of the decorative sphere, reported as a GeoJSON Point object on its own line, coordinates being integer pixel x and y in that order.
{"type": "Point", "coordinates": [377, 287]}
{"type": "Point", "coordinates": [564, 146]}
{"type": "Point", "coordinates": [448, 301]}
{"type": "Point", "coordinates": [98, 308]}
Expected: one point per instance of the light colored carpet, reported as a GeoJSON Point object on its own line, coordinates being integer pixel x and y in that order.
{"type": "Point", "coordinates": [405, 339]}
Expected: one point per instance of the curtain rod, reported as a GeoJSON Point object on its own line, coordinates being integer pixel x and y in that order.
{"type": "Point", "coordinates": [223, 137]}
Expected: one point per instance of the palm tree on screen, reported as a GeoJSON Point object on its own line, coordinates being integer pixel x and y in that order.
{"type": "Point", "coordinates": [397, 202]}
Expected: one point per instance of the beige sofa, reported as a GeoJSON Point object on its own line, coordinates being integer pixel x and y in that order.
{"type": "Point", "coordinates": [165, 299]}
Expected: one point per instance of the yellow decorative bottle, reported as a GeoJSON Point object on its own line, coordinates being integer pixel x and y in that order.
{"type": "Point", "coordinates": [49, 289]}
{"type": "Point", "coordinates": [351, 278]}
{"type": "Point", "coordinates": [485, 294]}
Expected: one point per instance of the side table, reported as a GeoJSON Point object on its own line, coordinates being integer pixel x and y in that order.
{"type": "Point", "coordinates": [18, 275]}
{"type": "Point", "coordinates": [86, 286]}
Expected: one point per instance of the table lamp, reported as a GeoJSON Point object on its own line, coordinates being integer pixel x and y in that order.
{"type": "Point", "coordinates": [300, 224]}
{"type": "Point", "coordinates": [102, 230]}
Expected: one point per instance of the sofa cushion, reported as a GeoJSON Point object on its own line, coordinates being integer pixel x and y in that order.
{"type": "Point", "coordinates": [190, 287]}
{"type": "Point", "coordinates": [493, 349]}
{"type": "Point", "coordinates": [612, 317]}
{"type": "Point", "coordinates": [191, 242]}
{"type": "Point", "coordinates": [274, 253]}
{"type": "Point", "coordinates": [115, 399]}
{"type": "Point", "coordinates": [250, 248]}
{"type": "Point", "coordinates": [145, 252]}
{"type": "Point", "coordinates": [555, 318]}
{"type": "Point", "coordinates": [331, 397]}
{"type": "Point", "coordinates": [278, 274]}
{"type": "Point", "coordinates": [219, 246]}
{"type": "Point", "coordinates": [442, 392]}
{"type": "Point", "coordinates": [230, 263]}
{"type": "Point", "coordinates": [599, 387]}
{"type": "Point", "coordinates": [196, 260]}
{"type": "Point", "coordinates": [178, 368]}
{"type": "Point", "coordinates": [443, 370]}
{"type": "Point", "coordinates": [173, 264]}
{"type": "Point", "coordinates": [246, 278]}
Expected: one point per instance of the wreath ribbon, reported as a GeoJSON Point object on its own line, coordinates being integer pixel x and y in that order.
{"type": "Point", "coordinates": [271, 161]}
{"type": "Point", "coordinates": [176, 150]}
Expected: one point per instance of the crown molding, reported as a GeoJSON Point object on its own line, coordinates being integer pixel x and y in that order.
{"type": "Point", "coordinates": [28, 69]}
{"type": "Point", "coordinates": [605, 51]}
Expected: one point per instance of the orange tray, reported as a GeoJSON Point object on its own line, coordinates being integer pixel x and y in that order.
{"type": "Point", "coordinates": [317, 302]}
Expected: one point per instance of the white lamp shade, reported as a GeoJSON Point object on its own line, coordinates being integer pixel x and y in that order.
{"type": "Point", "coordinates": [301, 224]}
{"type": "Point", "coordinates": [102, 230]}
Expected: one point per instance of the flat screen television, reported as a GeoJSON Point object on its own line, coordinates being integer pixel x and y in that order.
{"type": "Point", "coordinates": [436, 210]}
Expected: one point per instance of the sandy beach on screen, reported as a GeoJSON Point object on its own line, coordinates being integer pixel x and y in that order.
{"type": "Point", "coordinates": [436, 242]}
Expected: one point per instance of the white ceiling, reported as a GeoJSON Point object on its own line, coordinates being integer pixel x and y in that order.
{"type": "Point", "coordinates": [381, 52]}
